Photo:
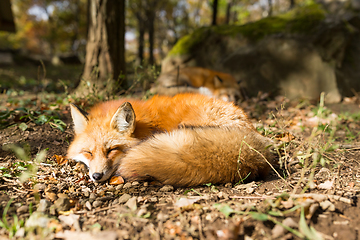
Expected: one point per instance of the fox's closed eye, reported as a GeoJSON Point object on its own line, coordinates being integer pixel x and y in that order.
{"type": "Point", "coordinates": [87, 153]}
{"type": "Point", "coordinates": [112, 151]}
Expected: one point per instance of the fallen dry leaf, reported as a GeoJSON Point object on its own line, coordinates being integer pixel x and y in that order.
{"type": "Point", "coordinates": [285, 137]}
{"type": "Point", "coordinates": [60, 159]}
{"type": "Point", "coordinates": [116, 180]}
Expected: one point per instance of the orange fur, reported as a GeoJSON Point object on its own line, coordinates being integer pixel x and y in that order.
{"type": "Point", "coordinates": [198, 80]}
{"type": "Point", "coordinates": [183, 140]}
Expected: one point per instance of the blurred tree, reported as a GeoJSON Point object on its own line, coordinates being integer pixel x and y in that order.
{"type": "Point", "coordinates": [48, 26]}
{"type": "Point", "coordinates": [215, 10]}
{"type": "Point", "coordinates": [104, 69]}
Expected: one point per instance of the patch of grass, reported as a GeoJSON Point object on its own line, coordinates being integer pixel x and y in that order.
{"type": "Point", "coordinates": [14, 226]}
{"type": "Point", "coordinates": [22, 115]}
{"type": "Point", "coordinates": [24, 168]}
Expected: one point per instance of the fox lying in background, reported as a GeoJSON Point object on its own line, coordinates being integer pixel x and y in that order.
{"type": "Point", "coordinates": [198, 80]}
{"type": "Point", "coordinates": [185, 140]}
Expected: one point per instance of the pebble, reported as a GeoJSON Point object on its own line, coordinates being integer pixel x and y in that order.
{"type": "Point", "coordinates": [51, 196]}
{"type": "Point", "coordinates": [62, 204]}
{"type": "Point", "coordinates": [167, 188]}
{"type": "Point", "coordinates": [97, 203]}
{"type": "Point", "coordinates": [39, 187]}
{"type": "Point", "coordinates": [52, 210]}
{"type": "Point", "coordinates": [250, 190]}
{"type": "Point", "coordinates": [115, 202]}
{"type": "Point", "coordinates": [43, 205]}
{"type": "Point", "coordinates": [135, 183]}
{"type": "Point", "coordinates": [88, 205]}
{"type": "Point", "coordinates": [23, 209]}
{"type": "Point", "coordinates": [92, 196]}
{"type": "Point", "coordinates": [37, 219]}
{"type": "Point", "coordinates": [124, 198]}
{"type": "Point", "coordinates": [228, 185]}
{"type": "Point", "coordinates": [127, 185]}
{"type": "Point", "coordinates": [62, 195]}
{"type": "Point", "coordinates": [119, 187]}
{"type": "Point", "coordinates": [327, 206]}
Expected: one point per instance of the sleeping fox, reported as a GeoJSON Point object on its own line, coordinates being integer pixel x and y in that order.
{"type": "Point", "coordinates": [198, 80]}
{"type": "Point", "coordinates": [185, 140]}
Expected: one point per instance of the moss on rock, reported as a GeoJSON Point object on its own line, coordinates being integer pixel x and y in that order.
{"type": "Point", "coordinates": [300, 20]}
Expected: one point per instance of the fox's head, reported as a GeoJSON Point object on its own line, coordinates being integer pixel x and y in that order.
{"type": "Point", "coordinates": [227, 91]}
{"type": "Point", "coordinates": [102, 138]}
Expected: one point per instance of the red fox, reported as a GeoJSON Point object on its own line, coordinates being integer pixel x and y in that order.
{"type": "Point", "coordinates": [198, 80]}
{"type": "Point", "coordinates": [185, 140]}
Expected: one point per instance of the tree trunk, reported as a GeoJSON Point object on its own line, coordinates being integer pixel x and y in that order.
{"type": "Point", "coordinates": [151, 29]}
{"type": "Point", "coordinates": [228, 8]}
{"type": "Point", "coordinates": [292, 4]}
{"type": "Point", "coordinates": [215, 7]}
{"type": "Point", "coordinates": [74, 39]}
{"type": "Point", "coordinates": [270, 8]}
{"type": "Point", "coordinates": [141, 40]}
{"type": "Point", "coordinates": [105, 49]}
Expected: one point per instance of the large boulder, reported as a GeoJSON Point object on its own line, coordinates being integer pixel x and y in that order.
{"type": "Point", "coordinates": [298, 54]}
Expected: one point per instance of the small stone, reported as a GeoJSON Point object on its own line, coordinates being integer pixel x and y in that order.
{"type": "Point", "coordinates": [162, 217]}
{"type": "Point", "coordinates": [39, 187]}
{"type": "Point", "coordinates": [43, 205]}
{"type": "Point", "coordinates": [119, 187]}
{"type": "Point", "coordinates": [97, 203]}
{"type": "Point", "coordinates": [135, 183]}
{"type": "Point", "coordinates": [132, 204]}
{"type": "Point", "coordinates": [52, 210]}
{"type": "Point", "coordinates": [37, 219]}
{"type": "Point", "coordinates": [20, 233]}
{"type": "Point", "coordinates": [86, 194]}
{"type": "Point", "coordinates": [153, 199]}
{"type": "Point", "coordinates": [115, 202]}
{"type": "Point", "coordinates": [327, 206]}
{"type": "Point", "coordinates": [23, 209]}
{"type": "Point", "coordinates": [223, 195]}
{"type": "Point", "coordinates": [124, 198]}
{"type": "Point", "coordinates": [62, 204]}
{"type": "Point", "coordinates": [166, 188]}
{"type": "Point", "coordinates": [51, 196]}
{"type": "Point", "coordinates": [62, 195]}
{"type": "Point", "coordinates": [127, 185]}
{"type": "Point", "coordinates": [228, 185]}
{"type": "Point", "coordinates": [92, 196]}
{"type": "Point", "coordinates": [250, 190]}
{"type": "Point", "coordinates": [146, 184]}
{"type": "Point", "coordinates": [88, 205]}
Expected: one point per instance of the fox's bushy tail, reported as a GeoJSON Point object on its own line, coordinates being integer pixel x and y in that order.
{"type": "Point", "coordinates": [194, 156]}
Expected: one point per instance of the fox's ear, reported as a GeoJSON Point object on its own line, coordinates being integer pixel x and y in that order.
{"type": "Point", "coordinates": [79, 117]}
{"type": "Point", "coordinates": [218, 82]}
{"type": "Point", "coordinates": [124, 119]}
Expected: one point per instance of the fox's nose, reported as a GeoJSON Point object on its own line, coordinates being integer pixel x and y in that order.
{"type": "Point", "coordinates": [97, 176]}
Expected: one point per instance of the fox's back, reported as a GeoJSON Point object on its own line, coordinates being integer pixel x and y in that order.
{"type": "Point", "coordinates": [163, 113]}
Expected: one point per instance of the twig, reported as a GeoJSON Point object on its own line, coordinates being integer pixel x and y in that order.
{"type": "Point", "coordinates": [252, 197]}
{"type": "Point", "coordinates": [322, 197]}
{"type": "Point", "coordinates": [277, 173]}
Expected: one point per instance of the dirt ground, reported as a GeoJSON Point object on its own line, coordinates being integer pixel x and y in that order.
{"type": "Point", "coordinates": [312, 201]}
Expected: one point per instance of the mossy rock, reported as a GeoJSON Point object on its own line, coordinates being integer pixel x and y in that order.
{"type": "Point", "coordinates": [301, 20]}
